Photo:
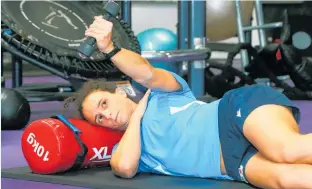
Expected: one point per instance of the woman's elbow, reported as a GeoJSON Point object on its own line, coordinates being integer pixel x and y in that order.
{"type": "Point", "coordinates": [124, 170]}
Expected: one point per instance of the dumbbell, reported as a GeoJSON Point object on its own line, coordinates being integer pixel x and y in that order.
{"type": "Point", "coordinates": [111, 9]}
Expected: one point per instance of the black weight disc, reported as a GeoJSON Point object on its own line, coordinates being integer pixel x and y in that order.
{"type": "Point", "coordinates": [52, 31]}
{"type": "Point", "coordinates": [301, 33]}
{"type": "Point", "coordinates": [299, 16]}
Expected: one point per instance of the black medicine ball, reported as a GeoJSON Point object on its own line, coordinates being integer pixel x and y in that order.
{"type": "Point", "coordinates": [15, 110]}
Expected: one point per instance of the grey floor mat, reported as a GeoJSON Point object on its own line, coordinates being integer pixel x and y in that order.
{"type": "Point", "coordinates": [103, 178]}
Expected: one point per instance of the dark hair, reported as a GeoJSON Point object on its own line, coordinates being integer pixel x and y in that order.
{"type": "Point", "coordinates": [88, 87]}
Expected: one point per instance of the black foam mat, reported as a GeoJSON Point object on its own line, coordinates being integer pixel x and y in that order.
{"type": "Point", "coordinates": [104, 179]}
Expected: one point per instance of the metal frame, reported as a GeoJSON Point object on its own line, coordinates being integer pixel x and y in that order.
{"type": "Point", "coordinates": [2, 77]}
{"type": "Point", "coordinates": [183, 24]}
{"type": "Point", "coordinates": [126, 13]}
{"type": "Point", "coordinates": [178, 55]}
{"type": "Point", "coordinates": [17, 72]}
{"type": "Point", "coordinates": [183, 32]}
{"type": "Point", "coordinates": [197, 39]}
{"type": "Point", "coordinates": [261, 26]}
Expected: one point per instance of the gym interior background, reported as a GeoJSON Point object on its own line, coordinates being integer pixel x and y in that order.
{"type": "Point", "coordinates": [157, 12]}
{"type": "Point", "coordinates": [151, 18]}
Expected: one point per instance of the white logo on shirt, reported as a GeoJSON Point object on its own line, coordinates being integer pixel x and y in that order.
{"type": "Point", "coordinates": [174, 110]}
{"type": "Point", "coordinates": [161, 169]}
{"type": "Point", "coordinates": [238, 113]}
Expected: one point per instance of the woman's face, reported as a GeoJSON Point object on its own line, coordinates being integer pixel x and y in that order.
{"type": "Point", "coordinates": [110, 110]}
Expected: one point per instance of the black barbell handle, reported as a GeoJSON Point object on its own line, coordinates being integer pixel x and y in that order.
{"type": "Point", "coordinates": [86, 48]}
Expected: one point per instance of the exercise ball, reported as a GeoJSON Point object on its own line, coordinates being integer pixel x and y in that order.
{"type": "Point", "coordinates": [221, 21]}
{"type": "Point", "coordinates": [159, 39]}
{"type": "Point", "coordinates": [15, 110]}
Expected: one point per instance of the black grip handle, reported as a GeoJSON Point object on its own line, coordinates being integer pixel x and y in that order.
{"type": "Point", "coordinates": [89, 45]}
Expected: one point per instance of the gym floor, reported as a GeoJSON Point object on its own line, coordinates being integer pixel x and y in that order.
{"type": "Point", "coordinates": [11, 150]}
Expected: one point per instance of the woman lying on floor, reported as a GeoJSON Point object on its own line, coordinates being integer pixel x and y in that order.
{"type": "Point", "coordinates": [250, 135]}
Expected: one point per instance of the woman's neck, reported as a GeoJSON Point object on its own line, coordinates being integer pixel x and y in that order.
{"type": "Point", "coordinates": [133, 106]}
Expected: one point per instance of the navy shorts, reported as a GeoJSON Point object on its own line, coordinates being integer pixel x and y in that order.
{"type": "Point", "coordinates": [234, 108]}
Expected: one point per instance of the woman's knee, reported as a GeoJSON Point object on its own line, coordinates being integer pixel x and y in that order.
{"type": "Point", "coordinates": [284, 151]}
{"type": "Point", "coordinates": [282, 180]}
{"type": "Point", "coordinates": [295, 150]}
{"type": "Point", "coordinates": [287, 177]}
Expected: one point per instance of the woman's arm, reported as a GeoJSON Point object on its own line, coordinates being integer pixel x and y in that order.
{"type": "Point", "coordinates": [125, 159]}
{"type": "Point", "coordinates": [141, 71]}
{"type": "Point", "coordinates": [131, 63]}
